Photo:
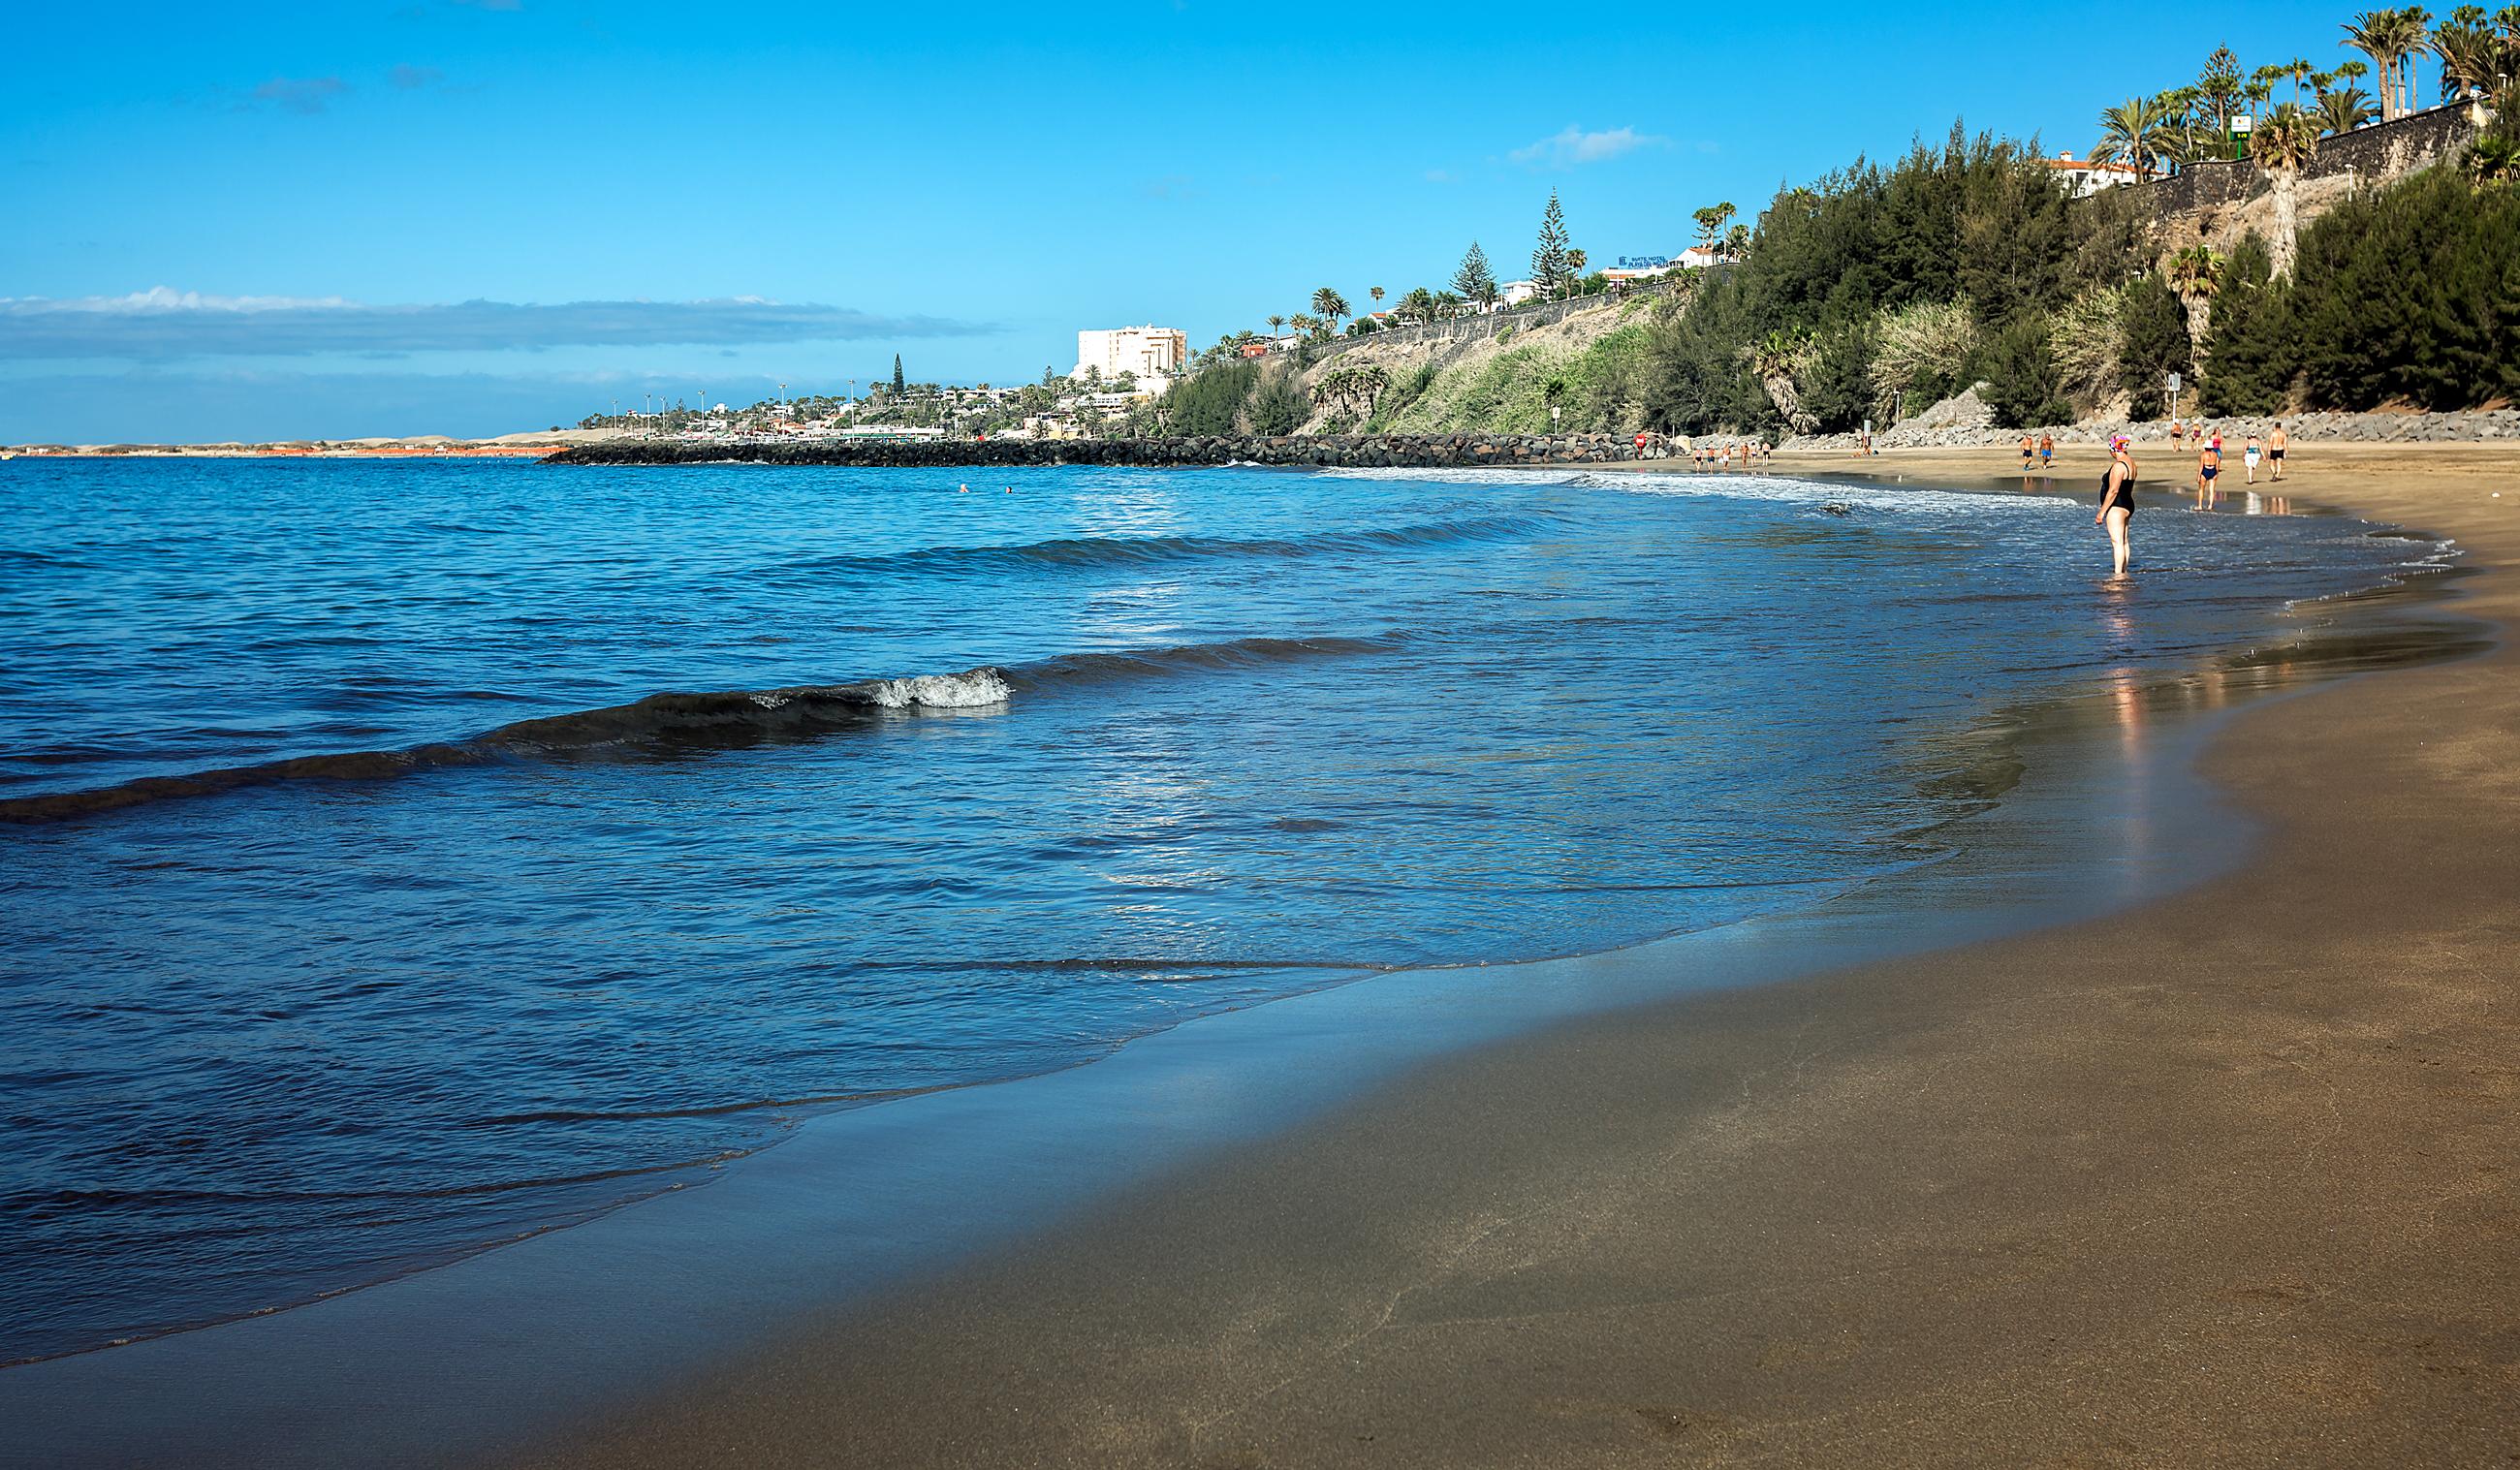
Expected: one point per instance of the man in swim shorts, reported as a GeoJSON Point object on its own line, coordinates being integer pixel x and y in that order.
{"type": "Point", "coordinates": [2025, 454]}
{"type": "Point", "coordinates": [2275, 448]}
{"type": "Point", "coordinates": [2046, 450]}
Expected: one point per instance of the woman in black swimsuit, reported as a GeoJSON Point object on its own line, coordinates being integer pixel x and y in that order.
{"type": "Point", "coordinates": [2117, 500]}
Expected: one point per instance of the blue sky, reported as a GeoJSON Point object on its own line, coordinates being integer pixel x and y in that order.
{"type": "Point", "coordinates": [474, 216]}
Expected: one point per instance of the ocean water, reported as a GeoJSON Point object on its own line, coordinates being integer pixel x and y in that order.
{"type": "Point", "coordinates": [401, 858]}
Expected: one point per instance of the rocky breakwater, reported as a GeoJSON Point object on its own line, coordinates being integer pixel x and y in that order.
{"type": "Point", "coordinates": [1304, 451]}
{"type": "Point", "coordinates": [2462, 426]}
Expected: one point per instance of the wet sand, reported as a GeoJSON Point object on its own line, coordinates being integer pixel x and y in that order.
{"type": "Point", "coordinates": [2233, 1178]}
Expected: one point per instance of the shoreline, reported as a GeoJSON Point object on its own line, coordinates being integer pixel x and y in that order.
{"type": "Point", "coordinates": [2224, 1178]}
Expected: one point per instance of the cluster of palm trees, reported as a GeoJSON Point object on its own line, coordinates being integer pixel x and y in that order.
{"type": "Point", "coordinates": [2479, 57]}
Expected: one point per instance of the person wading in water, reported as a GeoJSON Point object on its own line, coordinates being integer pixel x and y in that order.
{"type": "Point", "coordinates": [2117, 499]}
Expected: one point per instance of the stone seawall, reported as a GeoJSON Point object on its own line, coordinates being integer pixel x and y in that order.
{"type": "Point", "coordinates": [1344, 452]}
{"type": "Point", "coordinates": [2190, 201]}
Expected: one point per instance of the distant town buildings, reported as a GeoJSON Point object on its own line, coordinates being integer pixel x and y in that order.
{"type": "Point", "coordinates": [1515, 292]}
{"type": "Point", "coordinates": [1152, 353]}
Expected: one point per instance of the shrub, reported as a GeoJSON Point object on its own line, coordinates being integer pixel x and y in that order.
{"type": "Point", "coordinates": [1209, 402]}
{"type": "Point", "coordinates": [1279, 406]}
{"type": "Point", "coordinates": [1920, 350]}
{"type": "Point", "coordinates": [2086, 336]}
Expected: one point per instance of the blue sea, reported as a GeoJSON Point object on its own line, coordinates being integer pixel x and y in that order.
{"type": "Point", "coordinates": [404, 857]}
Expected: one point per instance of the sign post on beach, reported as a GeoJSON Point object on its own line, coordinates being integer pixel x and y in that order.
{"type": "Point", "coordinates": [2169, 397]}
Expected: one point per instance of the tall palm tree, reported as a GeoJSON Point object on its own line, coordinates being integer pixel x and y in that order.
{"type": "Point", "coordinates": [2283, 146]}
{"type": "Point", "coordinates": [1277, 324]}
{"type": "Point", "coordinates": [1375, 291]}
{"type": "Point", "coordinates": [2300, 70]}
{"type": "Point", "coordinates": [1576, 260]}
{"type": "Point", "coordinates": [2194, 274]}
{"type": "Point", "coordinates": [1711, 221]}
{"type": "Point", "coordinates": [1329, 304]}
{"type": "Point", "coordinates": [2412, 34]}
{"type": "Point", "coordinates": [2137, 130]}
{"type": "Point", "coordinates": [2374, 33]}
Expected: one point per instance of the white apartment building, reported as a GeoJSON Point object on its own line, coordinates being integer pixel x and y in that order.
{"type": "Point", "coordinates": [1154, 353]}
{"type": "Point", "coordinates": [2085, 177]}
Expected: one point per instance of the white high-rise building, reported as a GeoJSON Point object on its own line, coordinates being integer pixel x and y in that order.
{"type": "Point", "coordinates": [1154, 353]}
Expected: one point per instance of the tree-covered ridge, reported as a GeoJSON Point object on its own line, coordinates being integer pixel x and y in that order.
{"type": "Point", "coordinates": [1882, 289]}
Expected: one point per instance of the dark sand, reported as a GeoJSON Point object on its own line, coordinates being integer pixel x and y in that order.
{"type": "Point", "coordinates": [2234, 1179]}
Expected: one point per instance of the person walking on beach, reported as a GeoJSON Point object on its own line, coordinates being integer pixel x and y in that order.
{"type": "Point", "coordinates": [2046, 451]}
{"type": "Point", "coordinates": [2275, 448]}
{"type": "Point", "coordinates": [2249, 457]}
{"type": "Point", "coordinates": [2176, 434]}
{"type": "Point", "coordinates": [2025, 454]}
{"type": "Point", "coordinates": [2117, 501]}
{"type": "Point", "coordinates": [2209, 463]}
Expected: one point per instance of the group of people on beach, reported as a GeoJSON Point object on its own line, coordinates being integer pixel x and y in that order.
{"type": "Point", "coordinates": [2117, 482]}
{"type": "Point", "coordinates": [2208, 452]}
{"type": "Point", "coordinates": [2209, 456]}
{"type": "Point", "coordinates": [1708, 454]}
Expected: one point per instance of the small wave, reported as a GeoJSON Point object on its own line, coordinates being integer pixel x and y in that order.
{"type": "Point", "coordinates": [1141, 550]}
{"type": "Point", "coordinates": [658, 722]}
{"type": "Point", "coordinates": [686, 723]}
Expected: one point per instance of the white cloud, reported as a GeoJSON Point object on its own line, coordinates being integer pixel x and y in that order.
{"type": "Point", "coordinates": [1573, 146]}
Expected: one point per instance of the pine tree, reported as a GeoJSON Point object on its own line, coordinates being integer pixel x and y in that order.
{"type": "Point", "coordinates": [1549, 259]}
{"type": "Point", "coordinates": [2153, 345]}
{"type": "Point", "coordinates": [896, 375]}
{"type": "Point", "coordinates": [1473, 281]}
{"type": "Point", "coordinates": [2253, 350]}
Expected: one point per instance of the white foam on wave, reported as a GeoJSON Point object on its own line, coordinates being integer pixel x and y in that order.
{"type": "Point", "coordinates": [976, 690]}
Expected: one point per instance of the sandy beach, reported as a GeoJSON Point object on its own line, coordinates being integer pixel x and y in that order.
{"type": "Point", "coordinates": [2231, 1179]}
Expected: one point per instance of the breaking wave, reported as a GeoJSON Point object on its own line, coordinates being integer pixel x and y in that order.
{"type": "Point", "coordinates": [671, 724]}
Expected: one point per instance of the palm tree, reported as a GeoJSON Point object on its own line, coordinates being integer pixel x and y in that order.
{"type": "Point", "coordinates": [2472, 59]}
{"type": "Point", "coordinates": [2137, 130]}
{"type": "Point", "coordinates": [1375, 291]}
{"type": "Point", "coordinates": [2412, 35]}
{"type": "Point", "coordinates": [1277, 324]}
{"type": "Point", "coordinates": [1576, 260]}
{"type": "Point", "coordinates": [2494, 159]}
{"type": "Point", "coordinates": [1711, 221]}
{"type": "Point", "coordinates": [1736, 242]}
{"type": "Point", "coordinates": [1773, 360]}
{"type": "Point", "coordinates": [2374, 33]}
{"type": "Point", "coordinates": [2194, 274]}
{"type": "Point", "coordinates": [2283, 147]}
{"type": "Point", "coordinates": [2345, 111]}
{"type": "Point", "coordinates": [1329, 304]}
